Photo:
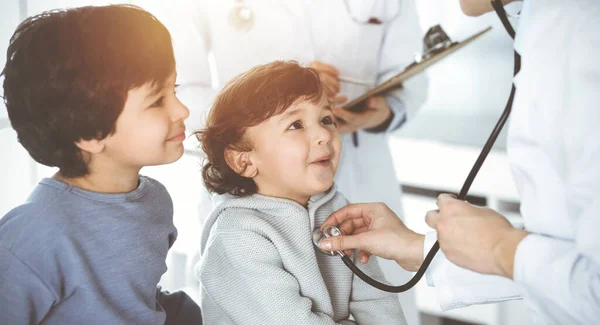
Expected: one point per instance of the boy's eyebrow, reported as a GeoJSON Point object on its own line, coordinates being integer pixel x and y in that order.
{"type": "Point", "coordinates": [288, 114]}
{"type": "Point", "coordinates": [294, 111]}
{"type": "Point", "coordinates": [158, 88]}
{"type": "Point", "coordinates": [155, 91]}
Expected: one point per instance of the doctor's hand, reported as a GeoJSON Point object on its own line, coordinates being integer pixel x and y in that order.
{"type": "Point", "coordinates": [478, 239]}
{"type": "Point", "coordinates": [375, 229]}
{"type": "Point", "coordinates": [329, 75]}
{"type": "Point", "coordinates": [375, 112]}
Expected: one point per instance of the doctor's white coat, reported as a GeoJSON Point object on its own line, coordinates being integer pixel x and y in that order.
{"type": "Point", "coordinates": [554, 150]}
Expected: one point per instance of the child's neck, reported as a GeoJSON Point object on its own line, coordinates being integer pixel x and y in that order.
{"type": "Point", "coordinates": [302, 200]}
{"type": "Point", "coordinates": [120, 182]}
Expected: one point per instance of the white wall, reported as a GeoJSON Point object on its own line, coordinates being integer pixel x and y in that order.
{"type": "Point", "coordinates": [16, 178]}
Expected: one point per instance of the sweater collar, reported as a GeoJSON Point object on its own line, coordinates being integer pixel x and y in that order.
{"type": "Point", "coordinates": [271, 205]}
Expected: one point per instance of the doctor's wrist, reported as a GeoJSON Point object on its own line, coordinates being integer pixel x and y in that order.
{"type": "Point", "coordinates": [383, 126]}
{"type": "Point", "coordinates": [412, 254]}
{"type": "Point", "coordinates": [504, 252]}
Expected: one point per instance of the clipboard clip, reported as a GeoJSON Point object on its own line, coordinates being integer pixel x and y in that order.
{"type": "Point", "coordinates": [436, 44]}
{"type": "Point", "coordinates": [434, 41]}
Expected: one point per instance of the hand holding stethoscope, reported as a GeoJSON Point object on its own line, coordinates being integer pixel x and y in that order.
{"type": "Point", "coordinates": [361, 217]}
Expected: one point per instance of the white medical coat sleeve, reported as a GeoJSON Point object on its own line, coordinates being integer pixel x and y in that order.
{"type": "Point", "coordinates": [457, 287]}
{"type": "Point", "coordinates": [401, 40]}
{"type": "Point", "coordinates": [192, 45]}
{"type": "Point", "coordinates": [562, 278]}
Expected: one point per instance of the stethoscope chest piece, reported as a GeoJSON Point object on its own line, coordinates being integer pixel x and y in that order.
{"type": "Point", "coordinates": [318, 236]}
{"type": "Point", "coordinates": [241, 16]}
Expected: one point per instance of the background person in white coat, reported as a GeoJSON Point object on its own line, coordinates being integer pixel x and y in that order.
{"type": "Point", "coordinates": [334, 37]}
{"type": "Point", "coordinates": [554, 150]}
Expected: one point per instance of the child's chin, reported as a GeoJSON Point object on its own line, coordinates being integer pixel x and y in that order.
{"type": "Point", "coordinates": [173, 156]}
{"type": "Point", "coordinates": [322, 186]}
{"type": "Point", "coordinates": [164, 160]}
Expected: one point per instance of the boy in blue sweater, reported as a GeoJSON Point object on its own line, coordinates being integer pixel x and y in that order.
{"type": "Point", "coordinates": [91, 91]}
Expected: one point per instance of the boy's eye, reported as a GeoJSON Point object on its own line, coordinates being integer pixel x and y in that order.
{"type": "Point", "coordinates": [328, 120]}
{"type": "Point", "coordinates": [158, 102]}
{"type": "Point", "coordinates": [295, 126]}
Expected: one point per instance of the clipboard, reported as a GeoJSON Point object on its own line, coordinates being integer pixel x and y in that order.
{"type": "Point", "coordinates": [412, 70]}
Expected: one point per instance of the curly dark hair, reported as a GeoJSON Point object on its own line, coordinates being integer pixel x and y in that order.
{"type": "Point", "coordinates": [247, 100]}
{"type": "Point", "coordinates": [68, 72]}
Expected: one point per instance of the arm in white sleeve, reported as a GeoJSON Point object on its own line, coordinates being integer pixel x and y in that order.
{"type": "Point", "coordinates": [189, 27]}
{"type": "Point", "coordinates": [562, 277]}
{"type": "Point", "coordinates": [243, 276]}
{"type": "Point", "coordinates": [401, 40]}
{"type": "Point", "coordinates": [457, 287]}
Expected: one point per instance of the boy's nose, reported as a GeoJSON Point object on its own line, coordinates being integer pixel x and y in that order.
{"type": "Point", "coordinates": [323, 135]}
{"type": "Point", "coordinates": [180, 112]}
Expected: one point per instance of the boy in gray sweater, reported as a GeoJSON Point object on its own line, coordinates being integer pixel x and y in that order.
{"type": "Point", "coordinates": [91, 91]}
{"type": "Point", "coordinates": [273, 148]}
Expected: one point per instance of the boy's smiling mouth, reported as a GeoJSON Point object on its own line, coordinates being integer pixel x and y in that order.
{"type": "Point", "coordinates": [179, 136]}
{"type": "Point", "coordinates": [323, 161]}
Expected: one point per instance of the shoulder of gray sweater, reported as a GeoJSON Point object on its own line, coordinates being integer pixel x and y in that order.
{"type": "Point", "coordinates": [265, 223]}
{"type": "Point", "coordinates": [266, 216]}
{"type": "Point", "coordinates": [238, 218]}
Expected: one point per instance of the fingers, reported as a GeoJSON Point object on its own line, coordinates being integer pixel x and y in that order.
{"type": "Point", "coordinates": [329, 75]}
{"type": "Point", "coordinates": [432, 218]}
{"type": "Point", "coordinates": [325, 68]}
{"type": "Point", "coordinates": [332, 83]}
{"type": "Point", "coordinates": [348, 227]}
{"type": "Point", "coordinates": [342, 243]}
{"type": "Point", "coordinates": [359, 211]}
{"type": "Point", "coordinates": [376, 102]}
{"type": "Point", "coordinates": [348, 116]}
{"type": "Point", "coordinates": [353, 227]}
{"type": "Point", "coordinates": [447, 204]}
{"type": "Point", "coordinates": [363, 256]}
{"type": "Point", "coordinates": [445, 198]}
{"type": "Point", "coordinates": [344, 128]}
{"type": "Point", "coordinates": [340, 100]}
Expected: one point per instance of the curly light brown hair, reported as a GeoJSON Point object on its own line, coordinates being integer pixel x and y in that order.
{"type": "Point", "coordinates": [247, 100]}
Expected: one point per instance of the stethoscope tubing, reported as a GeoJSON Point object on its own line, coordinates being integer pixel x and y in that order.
{"type": "Point", "coordinates": [468, 181]}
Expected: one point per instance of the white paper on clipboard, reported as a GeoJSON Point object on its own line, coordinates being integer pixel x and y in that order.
{"type": "Point", "coordinates": [412, 70]}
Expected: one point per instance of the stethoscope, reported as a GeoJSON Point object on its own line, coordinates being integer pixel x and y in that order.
{"type": "Point", "coordinates": [330, 231]}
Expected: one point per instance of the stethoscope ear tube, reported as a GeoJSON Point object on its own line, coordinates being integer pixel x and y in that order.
{"type": "Point", "coordinates": [467, 184]}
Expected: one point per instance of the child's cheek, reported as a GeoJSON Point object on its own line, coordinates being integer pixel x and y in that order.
{"type": "Point", "coordinates": [294, 154]}
{"type": "Point", "coordinates": [337, 146]}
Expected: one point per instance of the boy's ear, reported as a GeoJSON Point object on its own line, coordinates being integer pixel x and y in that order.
{"type": "Point", "coordinates": [241, 163]}
{"type": "Point", "coordinates": [92, 146]}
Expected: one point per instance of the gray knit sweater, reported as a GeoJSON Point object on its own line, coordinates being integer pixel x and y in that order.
{"type": "Point", "coordinates": [259, 266]}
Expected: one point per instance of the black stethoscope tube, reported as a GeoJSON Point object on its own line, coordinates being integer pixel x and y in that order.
{"type": "Point", "coordinates": [467, 184]}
